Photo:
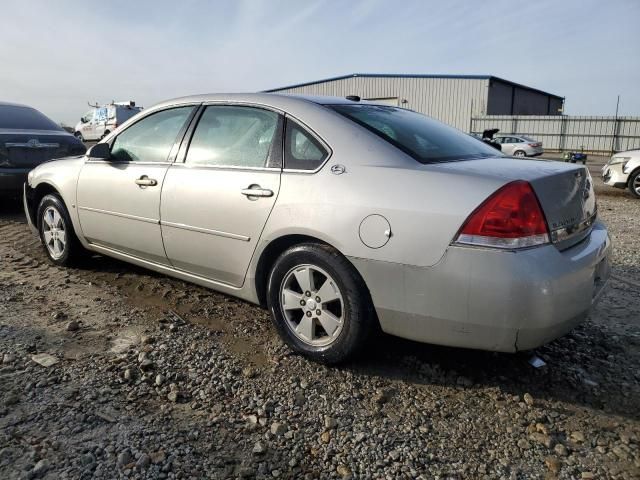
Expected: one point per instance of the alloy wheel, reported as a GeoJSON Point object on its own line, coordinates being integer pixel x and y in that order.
{"type": "Point", "coordinates": [636, 185]}
{"type": "Point", "coordinates": [312, 305]}
{"type": "Point", "coordinates": [54, 232]}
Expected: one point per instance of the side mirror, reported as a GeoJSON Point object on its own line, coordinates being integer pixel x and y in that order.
{"type": "Point", "coordinates": [100, 151]}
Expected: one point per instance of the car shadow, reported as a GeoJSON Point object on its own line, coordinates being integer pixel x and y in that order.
{"type": "Point", "coordinates": [11, 209]}
{"type": "Point", "coordinates": [596, 366]}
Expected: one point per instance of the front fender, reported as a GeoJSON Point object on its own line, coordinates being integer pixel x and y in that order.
{"type": "Point", "coordinates": [60, 176]}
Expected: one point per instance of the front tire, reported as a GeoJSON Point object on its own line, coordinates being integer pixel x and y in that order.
{"type": "Point", "coordinates": [56, 231]}
{"type": "Point", "coordinates": [319, 304]}
{"type": "Point", "coordinates": [634, 183]}
{"type": "Point", "coordinates": [79, 136]}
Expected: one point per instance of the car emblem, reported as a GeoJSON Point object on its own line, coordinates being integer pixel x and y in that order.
{"type": "Point", "coordinates": [338, 169]}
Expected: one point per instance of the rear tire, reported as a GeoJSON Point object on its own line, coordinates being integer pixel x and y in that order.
{"type": "Point", "coordinates": [319, 303]}
{"type": "Point", "coordinates": [519, 153]}
{"type": "Point", "coordinates": [634, 183]}
{"type": "Point", "coordinates": [79, 136]}
{"type": "Point", "coordinates": [56, 232]}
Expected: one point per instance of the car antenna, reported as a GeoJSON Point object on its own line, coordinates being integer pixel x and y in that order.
{"type": "Point", "coordinates": [354, 98]}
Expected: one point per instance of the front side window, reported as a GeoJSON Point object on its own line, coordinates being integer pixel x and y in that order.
{"type": "Point", "coordinates": [235, 136]}
{"type": "Point", "coordinates": [421, 137]}
{"type": "Point", "coordinates": [302, 150]}
{"type": "Point", "coordinates": [87, 117]}
{"type": "Point", "coordinates": [151, 139]}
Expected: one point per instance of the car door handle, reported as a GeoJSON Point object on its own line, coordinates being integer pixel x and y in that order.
{"type": "Point", "coordinates": [145, 181]}
{"type": "Point", "coordinates": [256, 191]}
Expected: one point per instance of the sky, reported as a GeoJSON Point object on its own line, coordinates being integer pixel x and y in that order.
{"type": "Point", "coordinates": [57, 56]}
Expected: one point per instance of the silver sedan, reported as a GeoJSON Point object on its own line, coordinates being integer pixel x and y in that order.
{"type": "Point", "coordinates": [519, 145]}
{"type": "Point", "coordinates": [338, 216]}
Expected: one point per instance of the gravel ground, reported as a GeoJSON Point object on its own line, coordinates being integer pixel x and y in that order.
{"type": "Point", "coordinates": [157, 378]}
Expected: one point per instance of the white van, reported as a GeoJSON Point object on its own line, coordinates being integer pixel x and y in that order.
{"type": "Point", "coordinates": [98, 122]}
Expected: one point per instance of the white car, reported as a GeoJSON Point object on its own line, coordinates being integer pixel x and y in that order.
{"type": "Point", "coordinates": [100, 121]}
{"type": "Point", "coordinates": [519, 145]}
{"type": "Point", "coordinates": [623, 171]}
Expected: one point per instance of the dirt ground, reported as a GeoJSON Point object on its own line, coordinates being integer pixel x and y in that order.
{"type": "Point", "coordinates": [157, 378]}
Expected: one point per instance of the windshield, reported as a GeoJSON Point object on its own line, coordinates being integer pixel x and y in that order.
{"type": "Point", "coordinates": [425, 139]}
{"type": "Point", "coordinates": [24, 118]}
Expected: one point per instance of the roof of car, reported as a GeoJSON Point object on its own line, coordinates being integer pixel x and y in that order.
{"type": "Point", "coordinates": [12, 104]}
{"type": "Point", "coordinates": [276, 100]}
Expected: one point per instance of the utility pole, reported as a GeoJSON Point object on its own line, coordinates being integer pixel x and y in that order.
{"type": "Point", "coordinates": [615, 127]}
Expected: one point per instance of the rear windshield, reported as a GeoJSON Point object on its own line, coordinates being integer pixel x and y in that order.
{"type": "Point", "coordinates": [425, 139]}
{"type": "Point", "coordinates": [25, 118]}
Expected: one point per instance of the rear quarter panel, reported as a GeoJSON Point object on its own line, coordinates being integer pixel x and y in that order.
{"type": "Point", "coordinates": [424, 207]}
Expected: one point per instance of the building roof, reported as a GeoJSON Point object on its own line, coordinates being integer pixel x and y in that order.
{"type": "Point", "coordinates": [409, 75]}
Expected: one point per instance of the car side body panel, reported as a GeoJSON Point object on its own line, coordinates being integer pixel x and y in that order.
{"type": "Point", "coordinates": [423, 286]}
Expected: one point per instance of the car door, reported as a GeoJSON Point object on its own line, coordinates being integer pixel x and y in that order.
{"type": "Point", "coordinates": [216, 202]}
{"type": "Point", "coordinates": [119, 198]}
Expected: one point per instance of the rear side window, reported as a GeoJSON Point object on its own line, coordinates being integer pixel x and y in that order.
{"type": "Point", "coordinates": [151, 139]}
{"type": "Point", "coordinates": [302, 150]}
{"type": "Point", "coordinates": [423, 138]}
{"type": "Point", "coordinates": [25, 118]}
{"type": "Point", "coordinates": [233, 136]}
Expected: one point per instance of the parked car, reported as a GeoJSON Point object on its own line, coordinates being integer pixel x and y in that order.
{"type": "Point", "coordinates": [519, 145]}
{"type": "Point", "coordinates": [487, 137]}
{"type": "Point", "coordinates": [27, 139]}
{"type": "Point", "coordinates": [623, 171]}
{"type": "Point", "coordinates": [336, 216]}
{"type": "Point", "coordinates": [100, 121]}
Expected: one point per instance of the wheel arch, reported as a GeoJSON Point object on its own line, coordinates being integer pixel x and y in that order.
{"type": "Point", "coordinates": [35, 195]}
{"type": "Point", "coordinates": [632, 173]}
{"type": "Point", "coordinates": [274, 249]}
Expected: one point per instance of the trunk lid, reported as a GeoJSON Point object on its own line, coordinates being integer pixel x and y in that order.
{"type": "Point", "coordinates": [565, 191]}
{"type": "Point", "coordinates": [30, 148]}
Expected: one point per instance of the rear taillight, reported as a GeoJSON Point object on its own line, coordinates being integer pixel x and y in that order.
{"type": "Point", "coordinates": [510, 218]}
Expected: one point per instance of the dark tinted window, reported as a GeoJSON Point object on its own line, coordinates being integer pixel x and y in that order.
{"type": "Point", "coordinates": [235, 137]}
{"type": "Point", "coordinates": [302, 150]}
{"type": "Point", "coordinates": [26, 118]}
{"type": "Point", "coordinates": [423, 138]}
{"type": "Point", "coordinates": [151, 139]}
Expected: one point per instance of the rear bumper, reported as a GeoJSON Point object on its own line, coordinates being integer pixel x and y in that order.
{"type": "Point", "coordinates": [613, 176]}
{"type": "Point", "coordinates": [12, 179]}
{"type": "Point", "coordinates": [488, 299]}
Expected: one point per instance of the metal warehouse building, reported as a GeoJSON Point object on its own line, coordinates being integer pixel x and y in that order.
{"type": "Point", "coordinates": [453, 99]}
